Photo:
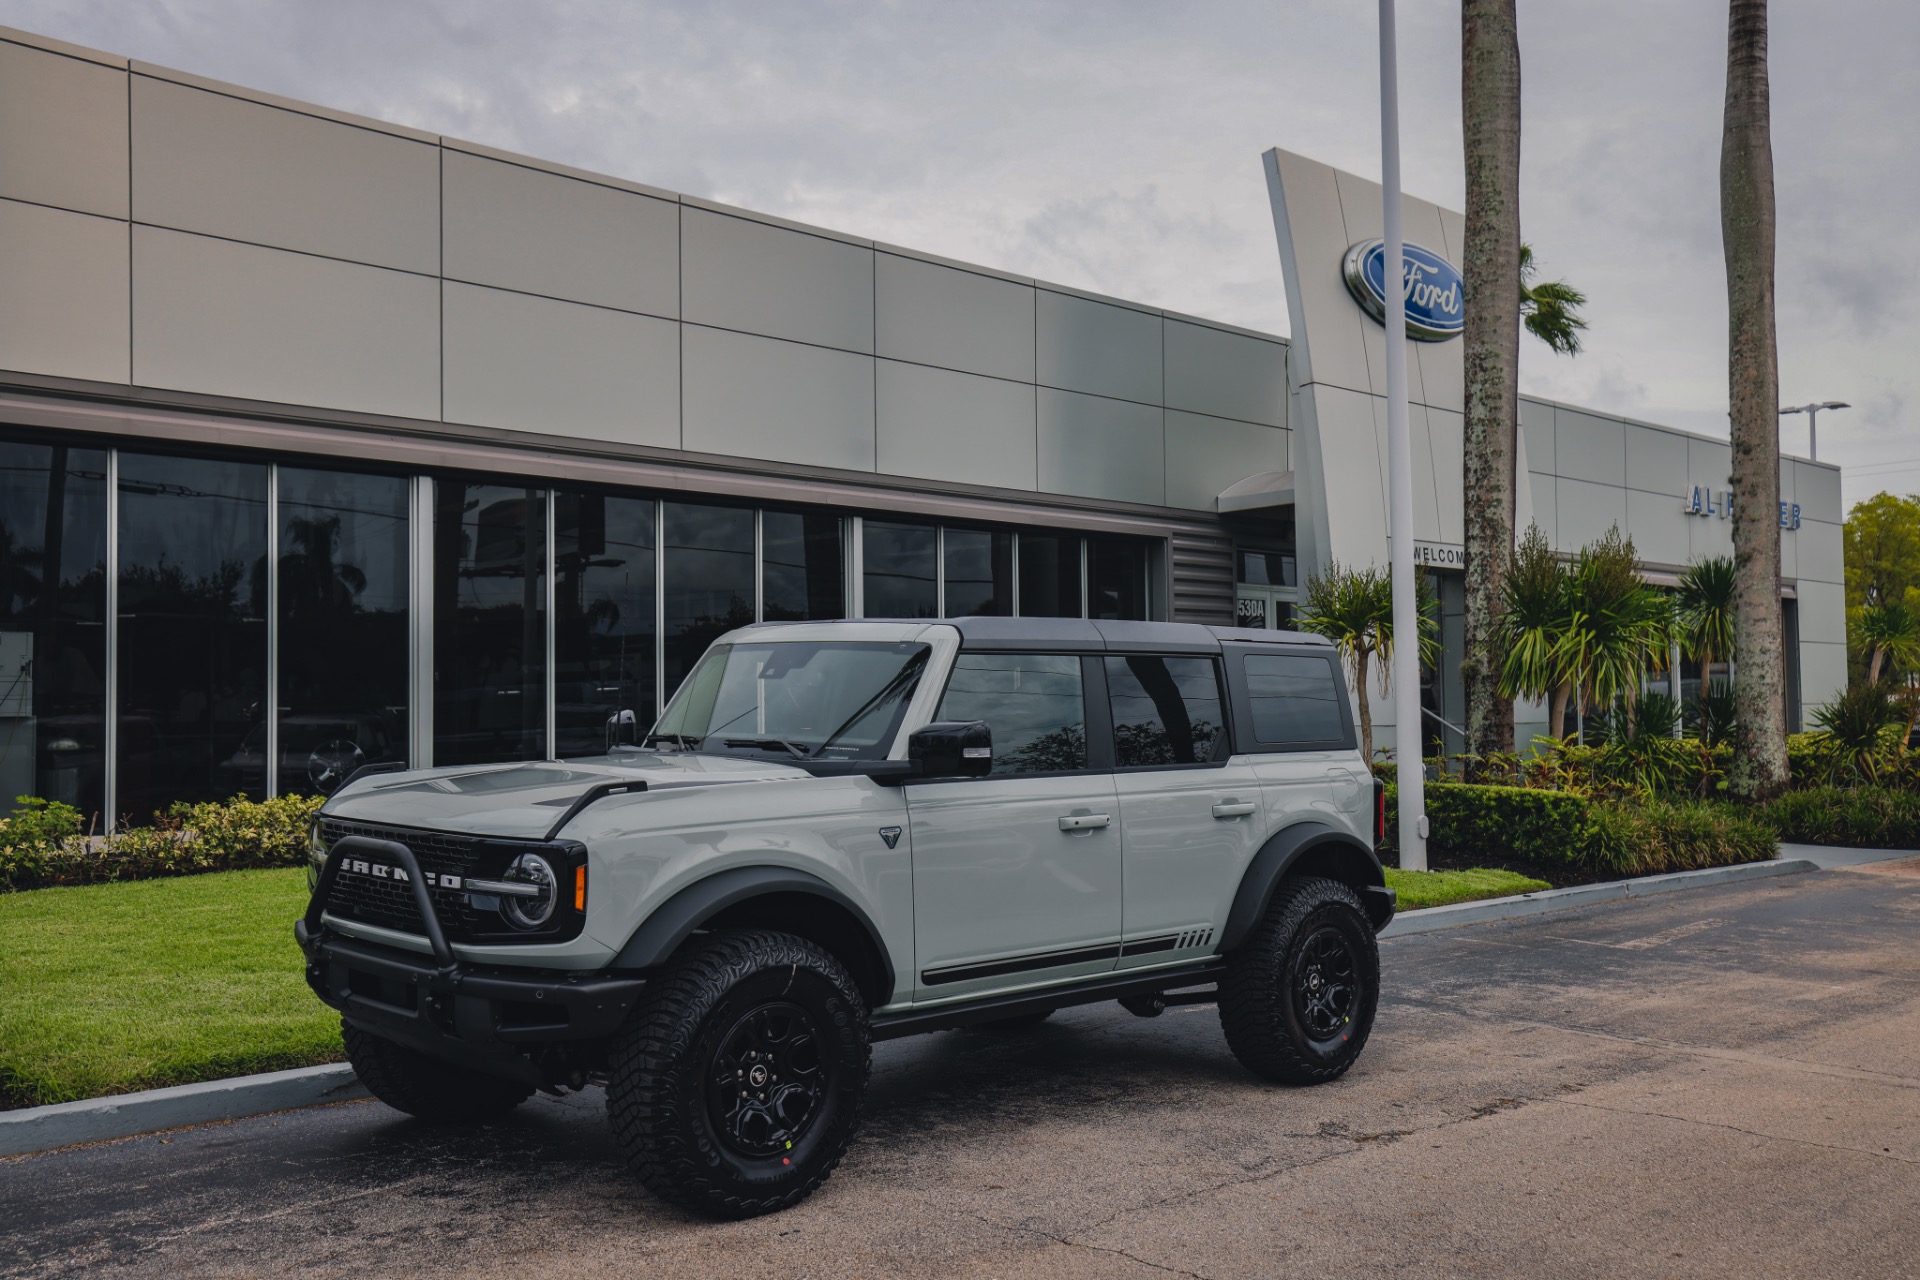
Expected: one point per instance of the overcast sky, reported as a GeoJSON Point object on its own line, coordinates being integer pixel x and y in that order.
{"type": "Point", "coordinates": [1114, 146]}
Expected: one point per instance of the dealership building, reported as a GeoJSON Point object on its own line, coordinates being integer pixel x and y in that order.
{"type": "Point", "coordinates": [327, 441]}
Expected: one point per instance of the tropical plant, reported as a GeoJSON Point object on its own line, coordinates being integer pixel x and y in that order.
{"type": "Point", "coordinates": [1889, 631]}
{"type": "Point", "coordinates": [1753, 384]}
{"type": "Point", "coordinates": [1533, 612]}
{"type": "Point", "coordinates": [1853, 731]}
{"type": "Point", "coordinates": [1354, 609]}
{"type": "Point", "coordinates": [1717, 713]}
{"type": "Point", "coordinates": [1551, 308]}
{"type": "Point", "coordinates": [1703, 609]}
{"type": "Point", "coordinates": [1616, 625]}
{"type": "Point", "coordinates": [1491, 256]}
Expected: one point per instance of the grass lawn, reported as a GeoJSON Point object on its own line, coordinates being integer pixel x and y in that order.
{"type": "Point", "coordinates": [115, 987]}
{"type": "Point", "coordinates": [1438, 888]}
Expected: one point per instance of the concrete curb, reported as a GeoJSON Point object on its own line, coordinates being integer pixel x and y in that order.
{"type": "Point", "coordinates": [65, 1124]}
{"type": "Point", "coordinates": [1429, 919]}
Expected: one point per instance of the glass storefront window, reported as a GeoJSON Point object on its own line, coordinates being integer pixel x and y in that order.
{"type": "Point", "coordinates": [1116, 578]}
{"type": "Point", "coordinates": [1268, 568]}
{"type": "Point", "coordinates": [193, 629]}
{"type": "Point", "coordinates": [709, 580]}
{"type": "Point", "coordinates": [604, 629]}
{"type": "Point", "coordinates": [342, 628]}
{"type": "Point", "coordinates": [1050, 576]}
{"type": "Point", "coordinates": [53, 609]}
{"type": "Point", "coordinates": [489, 623]}
{"type": "Point", "coordinates": [802, 567]}
{"type": "Point", "coordinates": [979, 573]}
{"type": "Point", "coordinates": [901, 563]}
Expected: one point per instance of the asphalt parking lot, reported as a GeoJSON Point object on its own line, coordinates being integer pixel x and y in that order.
{"type": "Point", "coordinates": [1723, 1082]}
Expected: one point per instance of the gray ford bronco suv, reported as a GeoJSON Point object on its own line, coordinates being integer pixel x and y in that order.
{"type": "Point", "coordinates": [842, 832]}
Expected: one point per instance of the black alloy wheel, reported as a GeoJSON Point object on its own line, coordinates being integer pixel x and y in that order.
{"type": "Point", "coordinates": [735, 1087]}
{"type": "Point", "coordinates": [767, 1083]}
{"type": "Point", "coordinates": [1299, 995]}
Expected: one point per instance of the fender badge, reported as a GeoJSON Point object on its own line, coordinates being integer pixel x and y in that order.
{"type": "Point", "coordinates": [891, 835]}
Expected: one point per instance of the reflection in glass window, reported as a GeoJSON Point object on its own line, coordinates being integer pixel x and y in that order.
{"type": "Point", "coordinates": [603, 617]}
{"type": "Point", "coordinates": [489, 623]}
{"type": "Point", "coordinates": [343, 628]}
{"type": "Point", "coordinates": [1117, 578]}
{"type": "Point", "coordinates": [53, 606]}
{"type": "Point", "coordinates": [979, 573]}
{"type": "Point", "coordinates": [1049, 576]}
{"type": "Point", "coordinates": [1295, 699]}
{"type": "Point", "coordinates": [193, 629]}
{"type": "Point", "coordinates": [901, 578]}
{"type": "Point", "coordinates": [804, 571]}
{"type": "Point", "coordinates": [834, 701]}
{"type": "Point", "coordinates": [1268, 568]}
{"type": "Point", "coordinates": [1165, 710]}
{"type": "Point", "coordinates": [709, 580]}
{"type": "Point", "coordinates": [1032, 702]}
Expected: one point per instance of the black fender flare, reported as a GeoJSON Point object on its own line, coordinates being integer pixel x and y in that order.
{"type": "Point", "coordinates": [673, 921]}
{"type": "Point", "coordinates": [1282, 853]}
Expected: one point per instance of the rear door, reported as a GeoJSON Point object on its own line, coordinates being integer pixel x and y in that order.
{"type": "Point", "coordinates": [1295, 714]}
{"type": "Point", "coordinates": [1016, 876]}
{"type": "Point", "coordinates": [1190, 810]}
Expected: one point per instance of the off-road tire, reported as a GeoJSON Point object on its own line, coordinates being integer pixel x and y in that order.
{"type": "Point", "coordinates": [663, 1099]}
{"type": "Point", "coordinates": [424, 1086]}
{"type": "Point", "coordinates": [1266, 998]}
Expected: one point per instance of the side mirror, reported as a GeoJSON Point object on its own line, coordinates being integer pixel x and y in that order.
{"type": "Point", "coordinates": [623, 728]}
{"type": "Point", "coordinates": [952, 749]}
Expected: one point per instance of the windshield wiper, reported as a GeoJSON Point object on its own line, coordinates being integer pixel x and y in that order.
{"type": "Point", "coordinates": [679, 740]}
{"type": "Point", "coordinates": [906, 676]}
{"type": "Point", "coordinates": [792, 747]}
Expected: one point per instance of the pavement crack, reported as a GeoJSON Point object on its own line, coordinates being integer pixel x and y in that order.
{"type": "Point", "coordinates": [1082, 1244]}
{"type": "Point", "coordinates": [1734, 1128]}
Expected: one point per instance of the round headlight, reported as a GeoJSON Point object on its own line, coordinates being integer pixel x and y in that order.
{"type": "Point", "coordinates": [531, 912]}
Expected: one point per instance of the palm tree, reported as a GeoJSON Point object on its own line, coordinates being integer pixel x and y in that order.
{"type": "Point", "coordinates": [1704, 615]}
{"type": "Point", "coordinates": [1532, 616]}
{"type": "Point", "coordinates": [1354, 609]}
{"type": "Point", "coordinates": [1490, 265]}
{"type": "Point", "coordinates": [1550, 309]}
{"type": "Point", "coordinates": [1616, 625]}
{"type": "Point", "coordinates": [1759, 767]}
{"type": "Point", "coordinates": [1889, 631]}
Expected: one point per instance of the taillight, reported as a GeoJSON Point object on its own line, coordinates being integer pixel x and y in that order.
{"type": "Point", "coordinates": [1379, 813]}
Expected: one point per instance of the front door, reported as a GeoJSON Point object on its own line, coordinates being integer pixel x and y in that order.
{"type": "Point", "coordinates": [1016, 876]}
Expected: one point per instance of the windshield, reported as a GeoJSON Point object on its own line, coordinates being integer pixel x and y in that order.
{"type": "Point", "coordinates": [831, 700]}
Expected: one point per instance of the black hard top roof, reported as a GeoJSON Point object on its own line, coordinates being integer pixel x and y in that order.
{"type": "Point", "coordinates": [1104, 636]}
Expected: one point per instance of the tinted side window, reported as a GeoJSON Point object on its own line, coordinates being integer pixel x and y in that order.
{"type": "Point", "coordinates": [1165, 710]}
{"type": "Point", "coordinates": [1294, 699]}
{"type": "Point", "coordinates": [1033, 703]}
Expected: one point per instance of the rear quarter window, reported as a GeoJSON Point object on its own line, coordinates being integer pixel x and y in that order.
{"type": "Point", "coordinates": [1292, 702]}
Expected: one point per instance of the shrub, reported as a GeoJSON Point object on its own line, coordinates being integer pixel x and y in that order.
{"type": "Point", "coordinates": [187, 839]}
{"type": "Point", "coordinates": [1475, 823]}
{"type": "Point", "coordinates": [1657, 836]}
{"type": "Point", "coordinates": [1856, 817]}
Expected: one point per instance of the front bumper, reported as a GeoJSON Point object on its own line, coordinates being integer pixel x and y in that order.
{"type": "Point", "coordinates": [483, 1017]}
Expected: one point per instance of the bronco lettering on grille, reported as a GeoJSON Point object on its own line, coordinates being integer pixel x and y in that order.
{"type": "Point", "coordinates": [386, 871]}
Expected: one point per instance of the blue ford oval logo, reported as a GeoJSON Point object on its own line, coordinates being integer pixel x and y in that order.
{"type": "Point", "coordinates": [1436, 303]}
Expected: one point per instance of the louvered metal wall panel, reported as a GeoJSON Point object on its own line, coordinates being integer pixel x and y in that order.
{"type": "Point", "coordinates": [1202, 573]}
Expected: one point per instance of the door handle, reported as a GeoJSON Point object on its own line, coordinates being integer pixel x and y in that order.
{"type": "Point", "coordinates": [1234, 808]}
{"type": "Point", "coordinates": [1085, 821]}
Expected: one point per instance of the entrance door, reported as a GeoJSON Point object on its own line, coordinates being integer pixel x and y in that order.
{"type": "Point", "coordinates": [1263, 608]}
{"type": "Point", "coordinates": [1016, 876]}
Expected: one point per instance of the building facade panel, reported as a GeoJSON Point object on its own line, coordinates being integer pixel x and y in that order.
{"type": "Point", "coordinates": [1205, 455]}
{"type": "Point", "coordinates": [1546, 507]}
{"type": "Point", "coordinates": [235, 319]}
{"type": "Point", "coordinates": [1225, 375]}
{"type": "Point", "coordinates": [931, 314]}
{"type": "Point", "coordinates": [1536, 425]}
{"type": "Point", "coordinates": [1656, 461]}
{"type": "Point", "coordinates": [63, 131]}
{"type": "Point", "coordinates": [1817, 489]}
{"type": "Point", "coordinates": [1101, 448]}
{"type": "Point", "coordinates": [63, 306]}
{"type": "Point", "coordinates": [537, 364]}
{"type": "Point", "coordinates": [745, 275]}
{"type": "Point", "coordinates": [753, 397]}
{"type": "Point", "coordinates": [518, 228]}
{"type": "Point", "coordinates": [1446, 435]}
{"type": "Point", "coordinates": [1097, 348]}
{"type": "Point", "coordinates": [1658, 528]}
{"type": "Point", "coordinates": [1587, 511]}
{"type": "Point", "coordinates": [1709, 463]}
{"type": "Point", "coordinates": [1823, 613]}
{"type": "Point", "coordinates": [1590, 447]}
{"type": "Point", "coordinates": [1820, 546]}
{"type": "Point", "coordinates": [1823, 674]}
{"type": "Point", "coordinates": [224, 166]}
{"type": "Point", "coordinates": [944, 425]}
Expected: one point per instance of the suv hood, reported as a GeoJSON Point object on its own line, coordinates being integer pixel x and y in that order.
{"type": "Point", "coordinates": [523, 801]}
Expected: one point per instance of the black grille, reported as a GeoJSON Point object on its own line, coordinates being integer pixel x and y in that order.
{"type": "Point", "coordinates": [389, 903]}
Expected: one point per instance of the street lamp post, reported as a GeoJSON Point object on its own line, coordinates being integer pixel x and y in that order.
{"type": "Point", "coordinates": [1813, 416]}
{"type": "Point", "coordinates": [1406, 608]}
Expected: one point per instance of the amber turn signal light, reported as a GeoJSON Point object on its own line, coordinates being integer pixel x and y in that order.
{"type": "Point", "coordinates": [579, 888]}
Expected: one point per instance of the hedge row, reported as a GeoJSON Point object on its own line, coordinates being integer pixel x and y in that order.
{"type": "Point", "coordinates": [42, 843]}
{"type": "Point", "coordinates": [1854, 817]}
{"type": "Point", "coordinates": [1538, 828]}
